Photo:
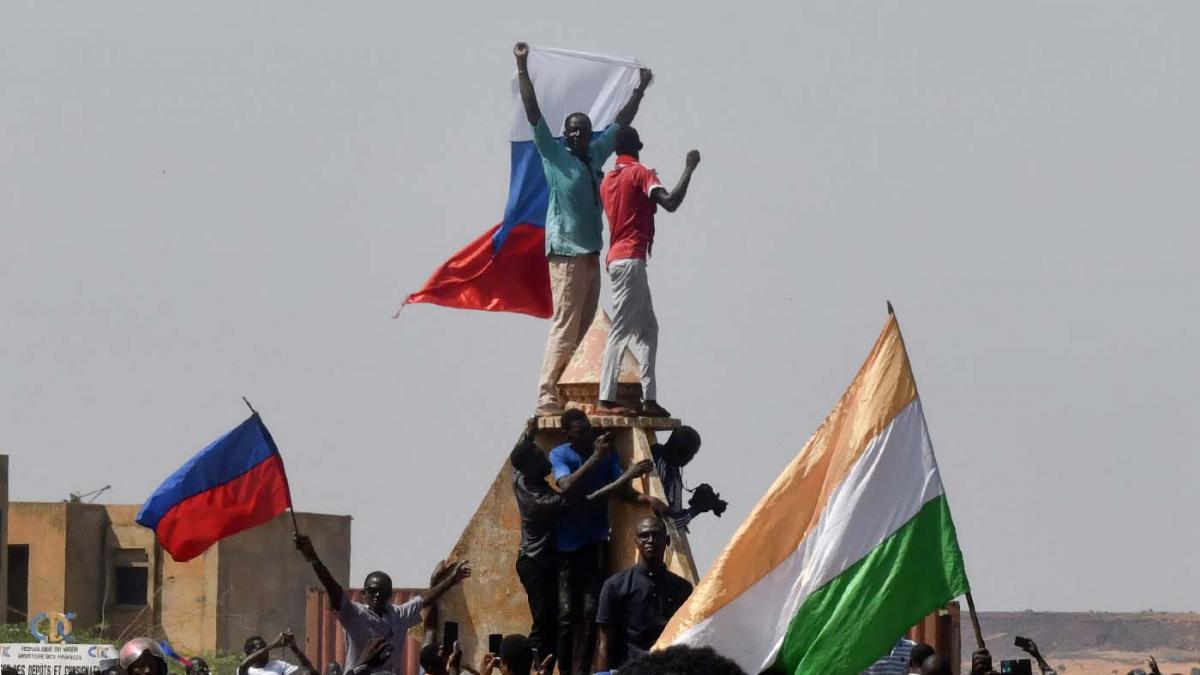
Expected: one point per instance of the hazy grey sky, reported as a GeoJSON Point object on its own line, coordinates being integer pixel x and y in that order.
{"type": "Point", "coordinates": [214, 199]}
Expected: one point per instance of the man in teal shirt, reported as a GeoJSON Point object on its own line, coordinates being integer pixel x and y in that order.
{"type": "Point", "coordinates": [573, 222]}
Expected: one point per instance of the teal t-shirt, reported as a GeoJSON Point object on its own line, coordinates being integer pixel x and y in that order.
{"type": "Point", "coordinates": [573, 225]}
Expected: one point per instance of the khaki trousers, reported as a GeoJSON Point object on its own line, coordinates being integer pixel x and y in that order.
{"type": "Point", "coordinates": [575, 287]}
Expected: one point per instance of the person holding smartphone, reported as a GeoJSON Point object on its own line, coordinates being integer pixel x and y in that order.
{"type": "Point", "coordinates": [1030, 647]}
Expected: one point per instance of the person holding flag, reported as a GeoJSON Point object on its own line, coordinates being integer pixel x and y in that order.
{"type": "Point", "coordinates": [573, 224]}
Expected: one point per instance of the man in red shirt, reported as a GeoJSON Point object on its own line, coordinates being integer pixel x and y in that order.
{"type": "Point", "coordinates": [631, 194]}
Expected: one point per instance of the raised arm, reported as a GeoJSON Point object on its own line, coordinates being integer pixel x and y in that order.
{"type": "Point", "coordinates": [244, 667]}
{"type": "Point", "coordinates": [627, 113]}
{"type": "Point", "coordinates": [569, 484]}
{"type": "Point", "coordinates": [671, 200]}
{"type": "Point", "coordinates": [525, 85]}
{"type": "Point", "coordinates": [289, 639]}
{"type": "Point", "coordinates": [332, 587]}
{"type": "Point", "coordinates": [459, 571]}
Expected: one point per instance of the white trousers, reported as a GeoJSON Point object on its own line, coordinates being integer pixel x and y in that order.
{"type": "Point", "coordinates": [633, 326]}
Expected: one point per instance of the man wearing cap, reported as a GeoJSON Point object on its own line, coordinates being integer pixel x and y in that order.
{"type": "Point", "coordinates": [632, 194]}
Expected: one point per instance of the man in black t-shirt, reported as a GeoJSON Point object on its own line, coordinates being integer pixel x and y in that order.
{"type": "Point", "coordinates": [637, 603]}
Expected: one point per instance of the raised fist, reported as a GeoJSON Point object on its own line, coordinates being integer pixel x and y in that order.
{"type": "Point", "coordinates": [521, 51]}
{"type": "Point", "coordinates": [693, 158]}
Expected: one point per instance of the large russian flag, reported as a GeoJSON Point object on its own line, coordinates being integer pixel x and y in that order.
{"type": "Point", "coordinates": [504, 270]}
{"type": "Point", "coordinates": [234, 484]}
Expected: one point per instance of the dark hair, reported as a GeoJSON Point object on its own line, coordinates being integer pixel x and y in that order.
{"type": "Point", "coordinates": [577, 114]}
{"type": "Point", "coordinates": [381, 575]}
{"type": "Point", "coordinates": [523, 456]}
{"type": "Point", "coordinates": [516, 651]}
{"type": "Point", "coordinates": [683, 444]}
{"type": "Point", "coordinates": [627, 142]}
{"type": "Point", "coordinates": [252, 638]}
{"type": "Point", "coordinates": [682, 660]}
{"type": "Point", "coordinates": [919, 653]}
{"type": "Point", "coordinates": [936, 665]}
{"type": "Point", "coordinates": [572, 416]}
{"type": "Point", "coordinates": [430, 660]}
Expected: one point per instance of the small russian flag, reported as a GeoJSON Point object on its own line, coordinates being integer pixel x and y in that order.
{"type": "Point", "coordinates": [236, 483]}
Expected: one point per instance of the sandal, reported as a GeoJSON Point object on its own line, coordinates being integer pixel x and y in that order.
{"type": "Point", "coordinates": [609, 409]}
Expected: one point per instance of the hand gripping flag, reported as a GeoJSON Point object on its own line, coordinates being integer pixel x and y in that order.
{"type": "Point", "coordinates": [234, 484]}
{"type": "Point", "coordinates": [504, 270]}
{"type": "Point", "coordinates": [850, 547]}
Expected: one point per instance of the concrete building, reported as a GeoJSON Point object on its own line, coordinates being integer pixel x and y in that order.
{"type": "Point", "coordinates": [95, 561]}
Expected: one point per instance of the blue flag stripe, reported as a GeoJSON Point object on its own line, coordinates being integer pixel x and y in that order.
{"type": "Point", "coordinates": [226, 458]}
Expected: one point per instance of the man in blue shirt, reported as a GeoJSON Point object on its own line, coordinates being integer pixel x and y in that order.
{"type": "Point", "coordinates": [585, 464]}
{"type": "Point", "coordinates": [573, 224]}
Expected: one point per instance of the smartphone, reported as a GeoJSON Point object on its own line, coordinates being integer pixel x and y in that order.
{"type": "Point", "coordinates": [494, 641]}
{"type": "Point", "coordinates": [1022, 643]}
{"type": "Point", "coordinates": [449, 635]}
{"type": "Point", "coordinates": [1016, 667]}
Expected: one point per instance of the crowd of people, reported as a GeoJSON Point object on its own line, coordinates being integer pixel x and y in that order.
{"type": "Point", "coordinates": [518, 656]}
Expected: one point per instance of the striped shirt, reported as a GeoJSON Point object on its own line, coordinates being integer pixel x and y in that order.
{"type": "Point", "coordinates": [894, 662]}
{"type": "Point", "coordinates": [672, 480]}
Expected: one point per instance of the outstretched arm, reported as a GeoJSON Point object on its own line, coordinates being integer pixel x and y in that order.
{"type": "Point", "coordinates": [244, 667]}
{"type": "Point", "coordinates": [671, 200]}
{"type": "Point", "coordinates": [332, 587]}
{"type": "Point", "coordinates": [525, 85]}
{"type": "Point", "coordinates": [289, 639]}
{"type": "Point", "coordinates": [635, 470]}
{"type": "Point", "coordinates": [568, 484]}
{"type": "Point", "coordinates": [460, 570]}
{"type": "Point", "coordinates": [626, 115]}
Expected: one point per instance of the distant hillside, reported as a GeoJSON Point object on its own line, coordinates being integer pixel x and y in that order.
{"type": "Point", "coordinates": [1083, 634]}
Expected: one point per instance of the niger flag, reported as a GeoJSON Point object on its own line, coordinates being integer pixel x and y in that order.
{"type": "Point", "coordinates": [850, 547]}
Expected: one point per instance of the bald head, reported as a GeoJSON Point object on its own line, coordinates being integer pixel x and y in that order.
{"type": "Point", "coordinates": [652, 539]}
{"type": "Point", "coordinates": [378, 589]}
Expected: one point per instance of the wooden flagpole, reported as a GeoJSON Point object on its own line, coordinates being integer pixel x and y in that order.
{"type": "Point", "coordinates": [970, 600]}
{"type": "Point", "coordinates": [291, 508]}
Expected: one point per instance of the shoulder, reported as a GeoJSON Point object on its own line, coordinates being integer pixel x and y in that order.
{"type": "Point", "coordinates": [619, 581]}
{"type": "Point", "coordinates": [408, 606]}
{"type": "Point", "coordinates": [615, 587]}
{"type": "Point", "coordinates": [563, 452]}
{"type": "Point", "coordinates": [351, 608]}
{"type": "Point", "coordinates": [679, 581]}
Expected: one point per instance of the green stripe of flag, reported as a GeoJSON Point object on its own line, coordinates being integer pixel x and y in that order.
{"type": "Point", "coordinates": [847, 624]}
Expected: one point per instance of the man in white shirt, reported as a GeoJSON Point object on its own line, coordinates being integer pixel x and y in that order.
{"type": "Point", "coordinates": [379, 617]}
{"type": "Point", "coordinates": [258, 659]}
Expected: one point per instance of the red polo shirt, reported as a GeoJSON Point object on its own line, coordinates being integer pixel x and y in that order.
{"type": "Point", "coordinates": [626, 194]}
